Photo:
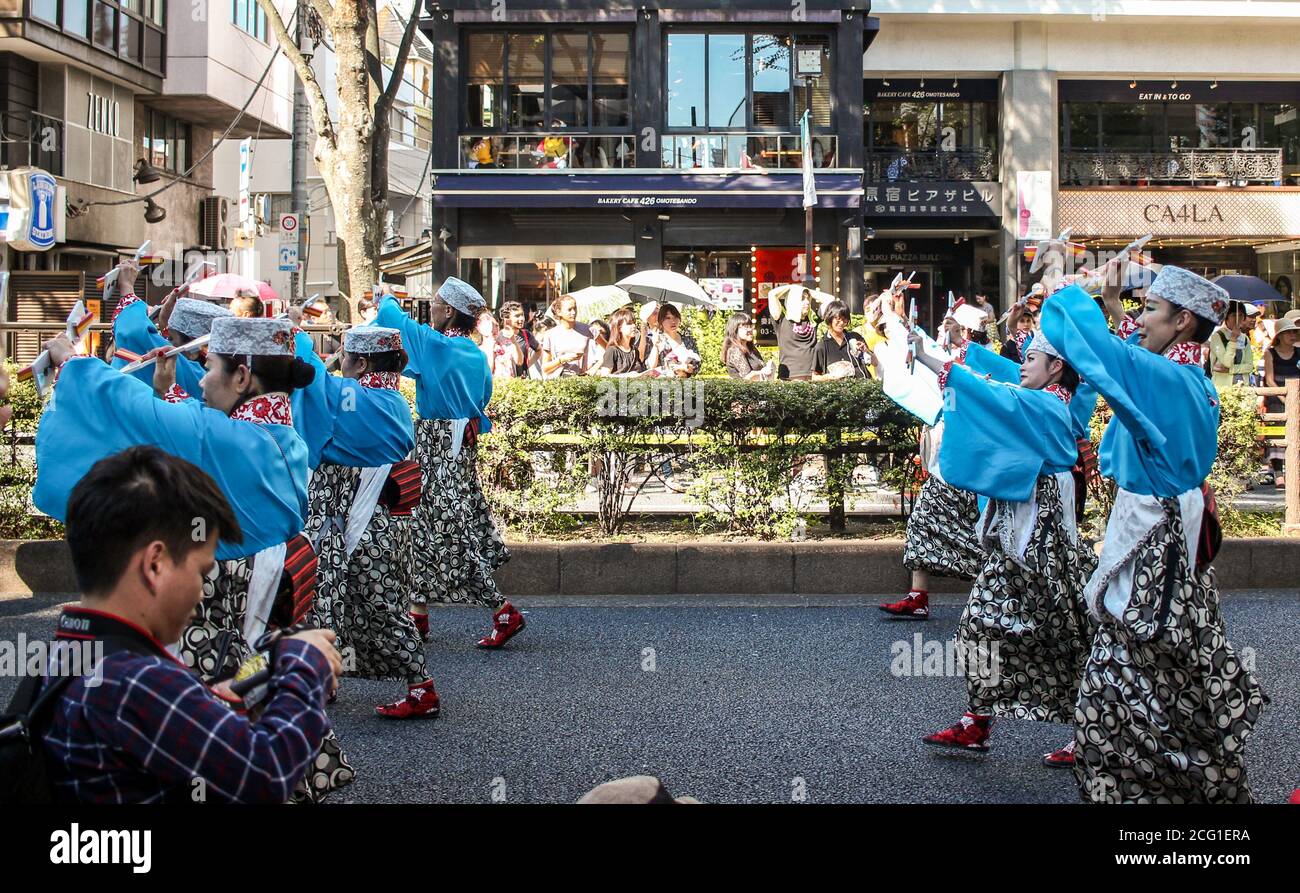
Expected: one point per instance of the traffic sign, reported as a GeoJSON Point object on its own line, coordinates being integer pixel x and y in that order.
{"type": "Point", "coordinates": [289, 224]}
{"type": "Point", "coordinates": [288, 257]}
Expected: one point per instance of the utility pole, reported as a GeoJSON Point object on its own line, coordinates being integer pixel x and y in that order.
{"type": "Point", "coordinates": [301, 133]}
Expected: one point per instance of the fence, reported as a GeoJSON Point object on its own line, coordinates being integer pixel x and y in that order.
{"type": "Point", "coordinates": [1290, 417]}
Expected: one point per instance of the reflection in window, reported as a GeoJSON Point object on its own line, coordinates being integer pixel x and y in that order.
{"type": "Point", "coordinates": [527, 87]}
{"type": "Point", "coordinates": [105, 33]}
{"type": "Point", "coordinates": [166, 142]}
{"type": "Point", "coordinates": [75, 18]}
{"type": "Point", "coordinates": [485, 79]}
{"type": "Point", "coordinates": [47, 10]}
{"type": "Point", "coordinates": [611, 55]}
{"type": "Point", "coordinates": [770, 73]}
{"type": "Point", "coordinates": [686, 80]}
{"type": "Point", "coordinates": [568, 79]}
{"type": "Point", "coordinates": [153, 42]}
{"type": "Point", "coordinates": [726, 99]}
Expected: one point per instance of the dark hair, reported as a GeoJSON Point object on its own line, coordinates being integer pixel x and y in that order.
{"type": "Point", "coordinates": [286, 374]}
{"type": "Point", "coordinates": [836, 310]}
{"type": "Point", "coordinates": [134, 497]}
{"type": "Point", "coordinates": [1069, 377]}
{"type": "Point", "coordinates": [666, 310]}
{"type": "Point", "coordinates": [616, 320]}
{"type": "Point", "coordinates": [386, 360]}
{"type": "Point", "coordinates": [1204, 329]}
{"type": "Point", "coordinates": [253, 302]}
{"type": "Point", "coordinates": [729, 340]}
{"type": "Point", "coordinates": [509, 307]}
{"type": "Point", "coordinates": [466, 322]}
{"type": "Point", "coordinates": [600, 324]}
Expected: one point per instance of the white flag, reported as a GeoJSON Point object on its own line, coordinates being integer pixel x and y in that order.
{"type": "Point", "coordinates": [809, 181]}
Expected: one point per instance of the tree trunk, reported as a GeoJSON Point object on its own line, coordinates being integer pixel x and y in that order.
{"type": "Point", "coordinates": [348, 178]}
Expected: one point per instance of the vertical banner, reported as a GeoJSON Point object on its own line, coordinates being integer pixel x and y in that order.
{"type": "Point", "coordinates": [245, 181]}
{"type": "Point", "coordinates": [1034, 205]}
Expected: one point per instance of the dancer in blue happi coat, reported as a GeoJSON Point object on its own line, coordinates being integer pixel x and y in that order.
{"type": "Point", "coordinates": [1166, 704]}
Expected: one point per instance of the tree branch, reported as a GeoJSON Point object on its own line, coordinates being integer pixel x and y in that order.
{"type": "Point", "coordinates": [399, 64]}
{"type": "Point", "coordinates": [315, 96]}
{"type": "Point", "coordinates": [324, 10]}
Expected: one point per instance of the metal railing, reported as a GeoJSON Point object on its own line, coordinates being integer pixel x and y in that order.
{"type": "Point", "coordinates": [1290, 417]}
{"type": "Point", "coordinates": [735, 151]}
{"type": "Point", "coordinates": [33, 139]}
{"type": "Point", "coordinates": [930, 165]}
{"type": "Point", "coordinates": [1097, 167]}
{"type": "Point", "coordinates": [547, 151]}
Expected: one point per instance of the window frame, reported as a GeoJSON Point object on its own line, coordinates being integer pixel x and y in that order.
{"type": "Point", "coordinates": [795, 34]}
{"type": "Point", "coordinates": [170, 130]}
{"type": "Point", "coordinates": [144, 16]}
{"type": "Point", "coordinates": [502, 110]}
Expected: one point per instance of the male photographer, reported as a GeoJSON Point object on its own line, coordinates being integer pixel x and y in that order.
{"type": "Point", "coordinates": [143, 527]}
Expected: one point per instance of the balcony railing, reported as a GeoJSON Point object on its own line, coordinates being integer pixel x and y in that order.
{"type": "Point", "coordinates": [933, 165]}
{"type": "Point", "coordinates": [1196, 167]}
{"type": "Point", "coordinates": [547, 151]}
{"type": "Point", "coordinates": [33, 139]}
{"type": "Point", "coordinates": [728, 151]}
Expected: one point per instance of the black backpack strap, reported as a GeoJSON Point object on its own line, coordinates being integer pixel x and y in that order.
{"type": "Point", "coordinates": [33, 706]}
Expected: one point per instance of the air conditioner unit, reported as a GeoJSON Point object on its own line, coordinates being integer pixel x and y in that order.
{"type": "Point", "coordinates": [214, 223]}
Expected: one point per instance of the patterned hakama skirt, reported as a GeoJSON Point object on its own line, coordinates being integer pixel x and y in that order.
{"type": "Point", "coordinates": [1166, 705]}
{"type": "Point", "coordinates": [1025, 632]}
{"type": "Point", "coordinates": [456, 545]}
{"type": "Point", "coordinates": [363, 598]}
{"type": "Point", "coordinates": [218, 627]}
{"type": "Point", "coordinates": [941, 532]}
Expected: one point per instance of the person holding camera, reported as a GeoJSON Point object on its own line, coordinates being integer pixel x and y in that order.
{"type": "Point", "coordinates": [142, 727]}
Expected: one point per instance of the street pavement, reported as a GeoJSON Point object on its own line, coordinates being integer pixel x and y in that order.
{"type": "Point", "coordinates": [754, 699]}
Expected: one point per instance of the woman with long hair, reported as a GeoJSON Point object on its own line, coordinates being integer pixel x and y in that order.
{"type": "Point", "coordinates": [456, 545]}
{"type": "Point", "coordinates": [739, 352]}
{"type": "Point", "coordinates": [622, 359]}
{"type": "Point", "coordinates": [674, 349]}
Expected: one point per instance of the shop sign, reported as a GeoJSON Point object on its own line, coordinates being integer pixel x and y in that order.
{"type": "Point", "coordinates": [35, 212]}
{"type": "Point", "coordinates": [933, 90]}
{"type": "Point", "coordinates": [937, 199]}
{"type": "Point", "coordinates": [1179, 212]}
{"type": "Point", "coordinates": [1186, 91]}
{"type": "Point", "coordinates": [613, 191]}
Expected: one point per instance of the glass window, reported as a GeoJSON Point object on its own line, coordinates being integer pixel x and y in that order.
{"type": "Point", "coordinates": [46, 10]}
{"type": "Point", "coordinates": [821, 87]}
{"type": "Point", "coordinates": [726, 99]}
{"type": "Point", "coordinates": [611, 56]}
{"type": "Point", "coordinates": [1213, 126]}
{"type": "Point", "coordinates": [105, 34]}
{"type": "Point", "coordinates": [686, 80]}
{"type": "Point", "coordinates": [954, 122]}
{"type": "Point", "coordinates": [485, 79]}
{"type": "Point", "coordinates": [770, 73]}
{"type": "Point", "coordinates": [527, 82]}
{"type": "Point", "coordinates": [1244, 115]}
{"type": "Point", "coordinates": [904, 125]}
{"type": "Point", "coordinates": [153, 49]}
{"type": "Point", "coordinates": [248, 17]}
{"type": "Point", "coordinates": [1137, 126]}
{"type": "Point", "coordinates": [568, 79]}
{"type": "Point", "coordinates": [166, 142]}
{"type": "Point", "coordinates": [1083, 120]}
{"type": "Point", "coordinates": [130, 39]}
{"type": "Point", "coordinates": [76, 18]}
{"type": "Point", "coordinates": [1280, 129]}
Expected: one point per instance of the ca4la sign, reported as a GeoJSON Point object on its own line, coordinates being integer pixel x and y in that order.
{"type": "Point", "coordinates": [35, 208]}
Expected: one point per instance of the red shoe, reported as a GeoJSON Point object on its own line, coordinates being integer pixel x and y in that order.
{"type": "Point", "coordinates": [1295, 797]}
{"type": "Point", "coordinates": [421, 625]}
{"type": "Point", "coordinates": [506, 624]}
{"type": "Point", "coordinates": [970, 733]}
{"type": "Point", "coordinates": [915, 607]}
{"type": "Point", "coordinates": [1062, 758]}
{"type": "Point", "coordinates": [421, 700]}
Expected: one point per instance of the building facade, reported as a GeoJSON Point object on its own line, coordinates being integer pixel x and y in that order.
{"type": "Point", "coordinates": [95, 92]}
{"type": "Point", "coordinates": [577, 141]}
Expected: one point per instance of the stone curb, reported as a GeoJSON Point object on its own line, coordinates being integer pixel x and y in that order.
{"type": "Point", "coordinates": [827, 567]}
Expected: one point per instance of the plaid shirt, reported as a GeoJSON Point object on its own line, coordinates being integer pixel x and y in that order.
{"type": "Point", "coordinates": [150, 728]}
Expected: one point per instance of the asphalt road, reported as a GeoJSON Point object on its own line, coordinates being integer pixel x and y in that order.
{"type": "Point", "coordinates": [744, 700]}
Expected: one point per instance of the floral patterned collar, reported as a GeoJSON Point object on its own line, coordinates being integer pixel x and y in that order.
{"type": "Point", "coordinates": [268, 409]}
{"type": "Point", "coordinates": [453, 332]}
{"type": "Point", "coordinates": [1187, 353]}
{"type": "Point", "coordinates": [124, 302]}
{"type": "Point", "coordinates": [1061, 392]}
{"type": "Point", "coordinates": [386, 381]}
